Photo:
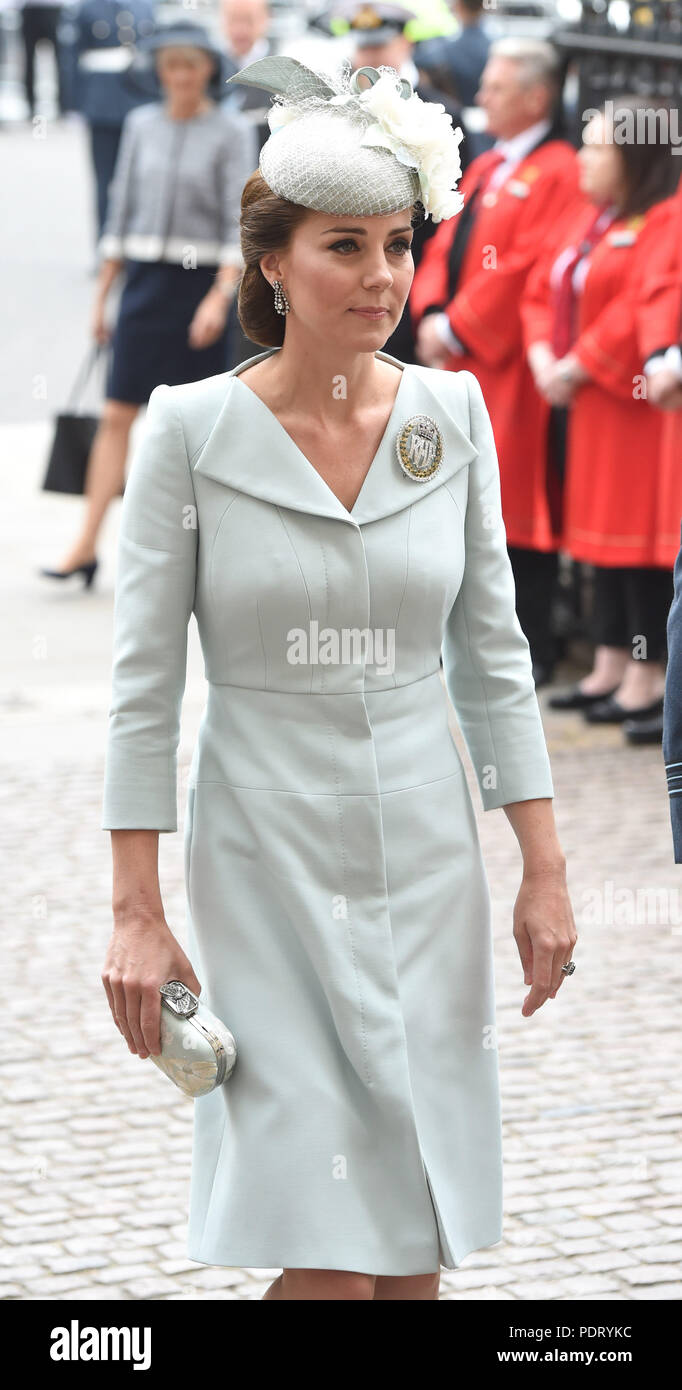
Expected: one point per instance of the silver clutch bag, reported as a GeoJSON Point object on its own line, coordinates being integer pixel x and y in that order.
{"type": "Point", "coordinates": [198, 1052]}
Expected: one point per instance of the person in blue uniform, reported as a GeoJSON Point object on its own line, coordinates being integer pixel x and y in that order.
{"type": "Point", "coordinates": [380, 33]}
{"type": "Point", "coordinates": [246, 39]}
{"type": "Point", "coordinates": [97, 37]}
{"type": "Point", "coordinates": [457, 60]}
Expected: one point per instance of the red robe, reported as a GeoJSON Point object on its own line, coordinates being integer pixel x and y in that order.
{"type": "Point", "coordinates": [660, 324]}
{"type": "Point", "coordinates": [613, 508]}
{"type": "Point", "coordinates": [504, 242]}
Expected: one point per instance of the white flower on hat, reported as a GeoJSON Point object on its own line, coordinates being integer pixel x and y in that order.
{"type": "Point", "coordinates": [420, 134]}
{"type": "Point", "coordinates": [280, 115]}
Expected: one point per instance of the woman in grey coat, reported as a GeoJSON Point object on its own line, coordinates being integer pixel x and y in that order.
{"type": "Point", "coordinates": [172, 228]}
{"type": "Point", "coordinates": [332, 518]}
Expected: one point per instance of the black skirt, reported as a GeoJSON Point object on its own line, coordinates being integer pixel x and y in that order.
{"type": "Point", "coordinates": [149, 345]}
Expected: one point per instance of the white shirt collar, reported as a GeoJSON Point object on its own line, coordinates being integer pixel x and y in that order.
{"type": "Point", "coordinates": [411, 72]}
{"type": "Point", "coordinates": [518, 147]}
{"type": "Point", "coordinates": [257, 50]}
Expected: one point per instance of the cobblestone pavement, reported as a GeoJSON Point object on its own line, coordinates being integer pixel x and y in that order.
{"type": "Point", "coordinates": [95, 1154]}
{"type": "Point", "coordinates": [94, 1166]}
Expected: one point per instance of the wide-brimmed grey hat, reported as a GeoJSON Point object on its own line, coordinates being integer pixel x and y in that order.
{"type": "Point", "coordinates": [142, 77]}
{"type": "Point", "coordinates": [182, 35]}
{"type": "Point", "coordinates": [360, 143]}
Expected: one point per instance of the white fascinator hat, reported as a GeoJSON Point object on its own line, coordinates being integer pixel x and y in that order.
{"type": "Point", "coordinates": [343, 147]}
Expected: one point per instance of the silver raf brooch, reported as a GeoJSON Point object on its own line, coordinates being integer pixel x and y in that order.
{"type": "Point", "coordinates": [420, 448]}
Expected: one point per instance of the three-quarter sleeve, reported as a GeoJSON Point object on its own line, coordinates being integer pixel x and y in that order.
{"type": "Point", "coordinates": [110, 244]}
{"type": "Point", "coordinates": [154, 599]}
{"type": "Point", "coordinates": [486, 656]}
{"type": "Point", "coordinates": [239, 161]}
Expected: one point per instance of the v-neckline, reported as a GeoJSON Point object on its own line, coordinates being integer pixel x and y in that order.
{"type": "Point", "coordinates": [349, 512]}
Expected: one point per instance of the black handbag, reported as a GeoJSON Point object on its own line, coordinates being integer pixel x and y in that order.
{"type": "Point", "coordinates": [73, 435]}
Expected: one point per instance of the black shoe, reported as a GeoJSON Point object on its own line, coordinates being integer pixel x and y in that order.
{"type": "Point", "coordinates": [543, 673]}
{"type": "Point", "coordinates": [575, 698]}
{"type": "Point", "coordinates": [87, 570]}
{"type": "Point", "coordinates": [644, 730]}
{"type": "Point", "coordinates": [611, 712]}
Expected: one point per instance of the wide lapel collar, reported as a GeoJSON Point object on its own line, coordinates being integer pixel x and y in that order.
{"type": "Point", "coordinates": [386, 488]}
{"type": "Point", "coordinates": [250, 451]}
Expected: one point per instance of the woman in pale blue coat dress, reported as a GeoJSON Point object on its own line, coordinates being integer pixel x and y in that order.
{"type": "Point", "coordinates": [330, 545]}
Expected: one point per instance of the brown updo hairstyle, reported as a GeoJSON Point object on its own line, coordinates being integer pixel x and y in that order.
{"type": "Point", "coordinates": [267, 224]}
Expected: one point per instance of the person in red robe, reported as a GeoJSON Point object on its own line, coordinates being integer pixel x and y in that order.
{"type": "Point", "coordinates": [581, 315]}
{"type": "Point", "coordinates": [660, 334]}
{"type": "Point", "coordinates": [660, 330]}
{"type": "Point", "coordinates": [465, 298]}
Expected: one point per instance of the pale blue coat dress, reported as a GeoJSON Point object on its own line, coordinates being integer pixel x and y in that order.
{"type": "Point", "coordinates": [338, 908]}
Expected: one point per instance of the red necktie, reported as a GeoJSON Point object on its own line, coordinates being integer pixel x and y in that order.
{"type": "Point", "coordinates": [564, 295]}
{"type": "Point", "coordinates": [492, 159]}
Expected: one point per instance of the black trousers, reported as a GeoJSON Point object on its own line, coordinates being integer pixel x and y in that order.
{"type": "Point", "coordinates": [630, 609]}
{"type": "Point", "coordinates": [535, 578]}
{"type": "Point", "coordinates": [536, 571]}
{"type": "Point", "coordinates": [40, 22]}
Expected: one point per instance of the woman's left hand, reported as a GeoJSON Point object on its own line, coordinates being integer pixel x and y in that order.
{"type": "Point", "coordinates": [562, 381]}
{"type": "Point", "coordinates": [545, 934]}
{"type": "Point", "coordinates": [430, 348]}
{"type": "Point", "coordinates": [209, 320]}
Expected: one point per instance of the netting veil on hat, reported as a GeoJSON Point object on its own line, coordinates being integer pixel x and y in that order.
{"type": "Point", "coordinates": [337, 148]}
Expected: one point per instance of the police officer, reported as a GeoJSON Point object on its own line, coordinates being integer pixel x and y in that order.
{"type": "Point", "coordinates": [97, 39]}
{"type": "Point", "coordinates": [379, 31]}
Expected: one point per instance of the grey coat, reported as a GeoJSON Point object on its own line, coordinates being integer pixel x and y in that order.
{"type": "Point", "coordinates": [176, 191]}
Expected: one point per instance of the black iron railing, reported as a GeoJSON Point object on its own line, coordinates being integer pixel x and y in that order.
{"type": "Point", "coordinates": [621, 48]}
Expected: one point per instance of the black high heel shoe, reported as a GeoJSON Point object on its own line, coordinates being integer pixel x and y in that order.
{"type": "Point", "coordinates": [611, 711]}
{"type": "Point", "coordinates": [87, 570]}
{"type": "Point", "coordinates": [575, 698]}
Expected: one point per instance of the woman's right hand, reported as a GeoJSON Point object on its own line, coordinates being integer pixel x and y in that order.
{"type": "Point", "coordinates": [542, 362]}
{"type": "Point", "coordinates": [664, 389]}
{"type": "Point", "coordinates": [142, 955]}
{"type": "Point", "coordinates": [100, 330]}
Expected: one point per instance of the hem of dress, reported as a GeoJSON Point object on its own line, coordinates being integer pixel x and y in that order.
{"type": "Point", "coordinates": [350, 1265]}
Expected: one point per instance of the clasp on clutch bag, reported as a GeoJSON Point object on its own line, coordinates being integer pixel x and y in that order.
{"type": "Point", "coordinates": [179, 998]}
{"type": "Point", "coordinates": [198, 1051]}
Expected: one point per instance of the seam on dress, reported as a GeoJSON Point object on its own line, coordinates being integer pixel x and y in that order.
{"type": "Point", "coordinates": [382, 690]}
{"type": "Point", "coordinates": [223, 514]}
{"type": "Point", "coordinates": [262, 643]}
{"type": "Point", "coordinates": [448, 489]}
{"type": "Point", "coordinates": [303, 578]}
{"type": "Point", "coordinates": [407, 571]}
{"type": "Point", "coordinates": [201, 446]}
{"type": "Point", "coordinates": [344, 860]}
{"type": "Point", "coordinates": [323, 673]}
{"type": "Point", "coordinates": [287, 791]}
